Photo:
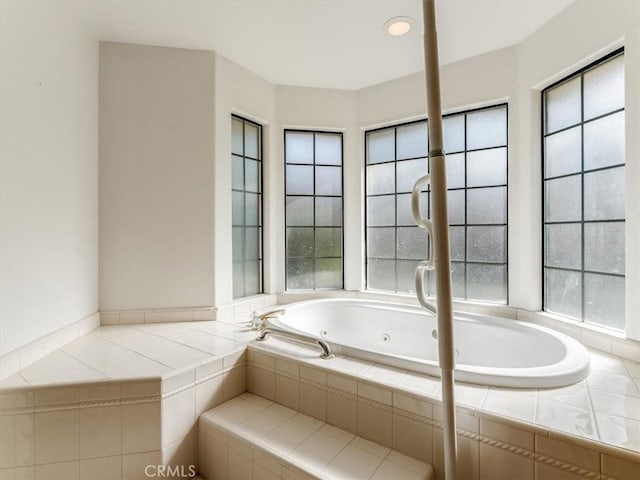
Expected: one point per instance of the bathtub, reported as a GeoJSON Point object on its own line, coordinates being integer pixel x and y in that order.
{"type": "Point", "coordinates": [489, 350]}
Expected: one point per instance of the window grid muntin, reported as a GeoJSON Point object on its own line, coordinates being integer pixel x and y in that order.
{"type": "Point", "coordinates": [243, 263]}
{"type": "Point", "coordinates": [582, 222]}
{"type": "Point", "coordinates": [314, 196]}
{"type": "Point", "coordinates": [466, 188]}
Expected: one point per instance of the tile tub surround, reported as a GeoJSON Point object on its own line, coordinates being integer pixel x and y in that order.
{"type": "Point", "coordinates": [587, 430]}
{"type": "Point", "coordinates": [250, 436]}
{"type": "Point", "coordinates": [119, 399]}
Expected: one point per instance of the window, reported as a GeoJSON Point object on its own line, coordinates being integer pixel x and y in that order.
{"type": "Point", "coordinates": [246, 191]}
{"type": "Point", "coordinates": [476, 145]}
{"type": "Point", "coordinates": [313, 216]}
{"type": "Point", "coordinates": [583, 196]}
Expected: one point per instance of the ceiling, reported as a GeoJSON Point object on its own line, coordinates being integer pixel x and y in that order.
{"type": "Point", "coordinates": [319, 43]}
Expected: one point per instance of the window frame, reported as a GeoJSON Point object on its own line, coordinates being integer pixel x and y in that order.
{"type": "Point", "coordinates": [580, 73]}
{"type": "Point", "coordinates": [260, 193]}
{"type": "Point", "coordinates": [314, 196]}
{"type": "Point", "coordinates": [465, 189]}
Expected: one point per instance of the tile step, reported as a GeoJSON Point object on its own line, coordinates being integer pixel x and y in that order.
{"type": "Point", "coordinates": [249, 437]}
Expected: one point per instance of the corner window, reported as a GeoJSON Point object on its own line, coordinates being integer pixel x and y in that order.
{"type": "Point", "coordinates": [476, 146]}
{"type": "Point", "coordinates": [246, 191]}
{"type": "Point", "coordinates": [313, 210]}
{"type": "Point", "coordinates": [584, 194]}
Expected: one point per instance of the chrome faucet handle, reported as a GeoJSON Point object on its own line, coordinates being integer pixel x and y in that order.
{"type": "Point", "coordinates": [259, 322]}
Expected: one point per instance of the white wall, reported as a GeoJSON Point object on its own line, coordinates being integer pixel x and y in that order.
{"type": "Point", "coordinates": [156, 177]}
{"type": "Point", "coordinates": [165, 229]}
{"type": "Point", "coordinates": [328, 110]}
{"type": "Point", "coordinates": [239, 91]}
{"type": "Point", "coordinates": [582, 33]}
{"type": "Point", "coordinates": [49, 172]}
{"type": "Point", "coordinates": [483, 80]}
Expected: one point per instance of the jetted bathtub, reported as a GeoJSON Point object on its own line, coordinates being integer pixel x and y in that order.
{"type": "Point", "coordinates": [489, 350]}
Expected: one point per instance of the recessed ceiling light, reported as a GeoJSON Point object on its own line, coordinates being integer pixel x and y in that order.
{"type": "Point", "coordinates": [398, 26]}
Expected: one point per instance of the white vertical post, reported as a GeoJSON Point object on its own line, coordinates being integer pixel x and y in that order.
{"type": "Point", "coordinates": [440, 237]}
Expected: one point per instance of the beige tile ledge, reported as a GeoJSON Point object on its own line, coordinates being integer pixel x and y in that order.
{"type": "Point", "coordinates": [16, 360]}
{"type": "Point", "coordinates": [115, 392]}
{"type": "Point", "coordinates": [263, 357]}
{"type": "Point", "coordinates": [121, 354]}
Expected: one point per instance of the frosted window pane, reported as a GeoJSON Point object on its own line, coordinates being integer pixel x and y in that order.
{"type": "Point", "coordinates": [252, 214]}
{"type": "Point", "coordinates": [487, 205]}
{"type": "Point", "coordinates": [328, 242]}
{"type": "Point", "coordinates": [381, 211]}
{"type": "Point", "coordinates": [412, 243]}
{"type": "Point", "coordinates": [486, 244]}
{"type": "Point", "coordinates": [408, 172]}
{"type": "Point", "coordinates": [236, 137]}
{"type": "Point", "coordinates": [563, 153]}
{"type": "Point", "coordinates": [604, 247]}
{"type": "Point", "coordinates": [487, 167]}
{"type": "Point", "coordinates": [604, 88]}
{"type": "Point", "coordinates": [458, 280]}
{"type": "Point", "coordinates": [456, 243]}
{"type": "Point", "coordinates": [455, 171]}
{"type": "Point", "coordinates": [563, 292]}
{"type": "Point", "coordinates": [251, 147]}
{"type": "Point", "coordinates": [604, 194]}
{"type": "Point", "coordinates": [237, 208]}
{"type": "Point", "coordinates": [381, 274]}
{"type": "Point", "coordinates": [487, 282]}
{"type": "Point", "coordinates": [411, 141]}
{"type": "Point", "coordinates": [238, 242]}
{"type": "Point", "coordinates": [563, 245]}
{"type": "Point", "coordinates": [299, 242]}
{"type": "Point", "coordinates": [237, 173]}
{"type": "Point", "coordinates": [328, 149]}
{"type": "Point", "coordinates": [404, 216]}
{"type": "Point", "coordinates": [455, 201]}
{"type": "Point", "coordinates": [252, 243]}
{"type": "Point", "coordinates": [604, 300]}
{"type": "Point", "coordinates": [381, 146]}
{"type": "Point", "coordinates": [299, 180]}
{"type": "Point", "coordinates": [563, 106]}
{"type": "Point", "coordinates": [328, 181]}
{"type": "Point", "coordinates": [299, 147]}
{"type": "Point", "coordinates": [381, 242]}
{"type": "Point", "coordinates": [487, 128]}
{"type": "Point", "coordinates": [563, 202]}
{"type": "Point", "coordinates": [252, 174]}
{"type": "Point", "coordinates": [252, 278]}
{"type": "Point", "coordinates": [299, 274]}
{"type": "Point", "coordinates": [604, 142]}
{"type": "Point", "coordinates": [328, 212]}
{"type": "Point", "coordinates": [328, 273]}
{"type": "Point", "coordinates": [381, 179]}
{"type": "Point", "coordinates": [405, 270]}
{"type": "Point", "coordinates": [299, 211]}
{"type": "Point", "coordinates": [453, 131]}
{"type": "Point", "coordinates": [238, 279]}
